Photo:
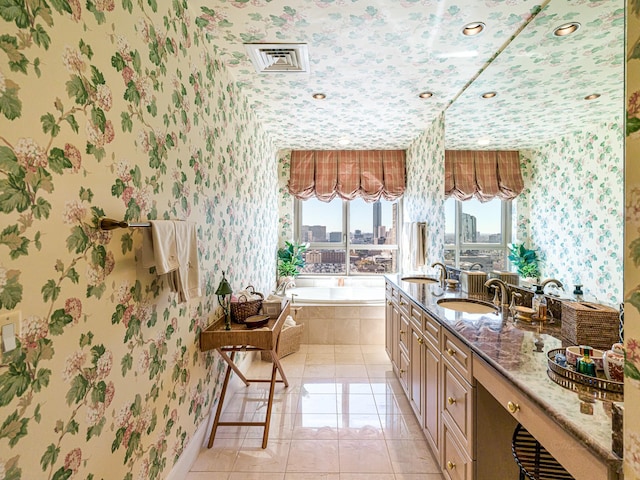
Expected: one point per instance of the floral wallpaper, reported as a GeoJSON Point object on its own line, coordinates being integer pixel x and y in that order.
{"type": "Point", "coordinates": [408, 47]}
{"type": "Point", "coordinates": [285, 200]}
{"type": "Point", "coordinates": [632, 248]}
{"type": "Point", "coordinates": [541, 80]}
{"type": "Point", "coordinates": [572, 209]}
{"type": "Point", "coordinates": [424, 197]}
{"type": "Point", "coordinates": [119, 109]}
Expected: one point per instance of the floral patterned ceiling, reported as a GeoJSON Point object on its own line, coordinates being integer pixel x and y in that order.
{"type": "Point", "coordinates": [373, 57]}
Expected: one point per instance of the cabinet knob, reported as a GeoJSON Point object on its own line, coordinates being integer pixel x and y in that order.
{"type": "Point", "coordinates": [420, 340]}
{"type": "Point", "coordinates": [513, 407]}
{"type": "Point", "coordinates": [402, 332]}
{"type": "Point", "coordinates": [451, 352]}
{"type": "Point", "coordinates": [402, 304]}
{"type": "Point", "coordinates": [389, 302]}
{"type": "Point", "coordinates": [451, 400]}
{"type": "Point", "coordinates": [451, 465]}
{"type": "Point", "coordinates": [402, 371]}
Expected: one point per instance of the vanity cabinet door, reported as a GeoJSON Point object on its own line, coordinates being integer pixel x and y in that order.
{"type": "Point", "coordinates": [455, 463]}
{"type": "Point", "coordinates": [404, 372]}
{"type": "Point", "coordinates": [431, 409]}
{"type": "Point", "coordinates": [390, 329]}
{"type": "Point", "coordinates": [417, 370]}
{"type": "Point", "coordinates": [457, 406]}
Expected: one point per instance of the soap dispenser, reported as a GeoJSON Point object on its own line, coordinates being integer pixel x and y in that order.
{"type": "Point", "coordinates": [539, 304]}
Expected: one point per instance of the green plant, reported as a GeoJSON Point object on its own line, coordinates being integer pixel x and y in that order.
{"type": "Point", "coordinates": [291, 259]}
{"type": "Point", "coordinates": [525, 260]}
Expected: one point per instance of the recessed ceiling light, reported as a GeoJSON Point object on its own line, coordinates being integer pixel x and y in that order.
{"type": "Point", "coordinates": [474, 28]}
{"type": "Point", "coordinates": [593, 96]}
{"type": "Point", "coordinates": [488, 95]}
{"type": "Point", "coordinates": [566, 29]}
{"type": "Point", "coordinates": [319, 96]}
{"type": "Point", "coordinates": [483, 141]}
{"type": "Point", "coordinates": [426, 95]}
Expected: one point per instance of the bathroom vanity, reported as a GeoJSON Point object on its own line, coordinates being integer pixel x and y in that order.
{"type": "Point", "coordinates": [472, 377]}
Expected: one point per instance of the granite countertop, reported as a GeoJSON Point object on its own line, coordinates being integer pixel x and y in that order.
{"type": "Point", "coordinates": [508, 346]}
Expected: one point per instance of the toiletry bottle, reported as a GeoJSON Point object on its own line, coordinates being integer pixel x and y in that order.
{"type": "Point", "coordinates": [585, 364]}
{"type": "Point", "coordinates": [542, 309]}
{"type": "Point", "coordinates": [538, 295]}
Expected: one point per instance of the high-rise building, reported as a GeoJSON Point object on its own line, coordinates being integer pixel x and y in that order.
{"type": "Point", "coordinates": [335, 236]}
{"type": "Point", "coordinates": [377, 218]}
{"type": "Point", "coordinates": [469, 232]}
{"type": "Point", "coordinates": [314, 233]}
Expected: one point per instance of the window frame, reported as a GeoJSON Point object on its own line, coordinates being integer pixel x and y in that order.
{"type": "Point", "coordinates": [346, 241]}
{"type": "Point", "coordinates": [506, 230]}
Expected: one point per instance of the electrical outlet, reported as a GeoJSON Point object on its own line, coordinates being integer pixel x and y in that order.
{"type": "Point", "coordinates": [9, 328]}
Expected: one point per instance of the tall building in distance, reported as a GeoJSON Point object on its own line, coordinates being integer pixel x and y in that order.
{"type": "Point", "coordinates": [377, 220]}
{"type": "Point", "coordinates": [469, 228]}
{"type": "Point", "coordinates": [314, 233]}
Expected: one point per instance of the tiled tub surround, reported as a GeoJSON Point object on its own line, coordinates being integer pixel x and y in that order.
{"type": "Point", "coordinates": [509, 349]}
{"type": "Point", "coordinates": [348, 320]}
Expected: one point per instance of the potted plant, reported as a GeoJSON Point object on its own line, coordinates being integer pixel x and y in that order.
{"type": "Point", "coordinates": [525, 260]}
{"type": "Point", "coordinates": [290, 261]}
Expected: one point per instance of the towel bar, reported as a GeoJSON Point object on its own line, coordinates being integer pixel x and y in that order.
{"type": "Point", "coordinates": [111, 224]}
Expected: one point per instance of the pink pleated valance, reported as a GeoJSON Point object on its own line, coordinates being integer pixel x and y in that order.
{"type": "Point", "coordinates": [484, 175]}
{"type": "Point", "coordinates": [347, 174]}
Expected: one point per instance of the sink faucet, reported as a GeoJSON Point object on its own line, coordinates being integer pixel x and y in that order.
{"type": "Point", "coordinates": [546, 282]}
{"type": "Point", "coordinates": [504, 290]}
{"type": "Point", "coordinates": [479, 265]}
{"type": "Point", "coordinates": [443, 271]}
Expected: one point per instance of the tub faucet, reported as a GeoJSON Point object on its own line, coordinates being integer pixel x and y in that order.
{"type": "Point", "coordinates": [283, 285]}
{"type": "Point", "coordinates": [443, 271]}
{"type": "Point", "coordinates": [479, 265]}
{"type": "Point", "coordinates": [504, 290]}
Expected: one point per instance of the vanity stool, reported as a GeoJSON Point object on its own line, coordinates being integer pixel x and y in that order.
{"type": "Point", "coordinates": [534, 461]}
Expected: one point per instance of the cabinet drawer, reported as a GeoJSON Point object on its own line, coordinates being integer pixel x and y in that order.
{"type": "Point", "coordinates": [416, 316]}
{"type": "Point", "coordinates": [564, 447]}
{"type": "Point", "coordinates": [457, 355]}
{"type": "Point", "coordinates": [456, 464]}
{"type": "Point", "coordinates": [457, 404]}
{"type": "Point", "coordinates": [404, 303]}
{"type": "Point", "coordinates": [431, 328]}
{"type": "Point", "coordinates": [403, 334]}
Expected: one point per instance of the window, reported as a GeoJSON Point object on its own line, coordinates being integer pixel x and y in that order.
{"type": "Point", "coordinates": [477, 233]}
{"type": "Point", "coordinates": [367, 231]}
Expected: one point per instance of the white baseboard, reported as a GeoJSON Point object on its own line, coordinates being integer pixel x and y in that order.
{"type": "Point", "coordinates": [200, 438]}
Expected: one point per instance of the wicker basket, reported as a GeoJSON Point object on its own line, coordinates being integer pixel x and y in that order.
{"type": "Point", "coordinates": [244, 308]}
{"type": "Point", "coordinates": [585, 323]}
{"type": "Point", "coordinates": [290, 339]}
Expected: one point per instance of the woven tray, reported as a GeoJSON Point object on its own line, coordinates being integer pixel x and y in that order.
{"type": "Point", "coordinates": [600, 388]}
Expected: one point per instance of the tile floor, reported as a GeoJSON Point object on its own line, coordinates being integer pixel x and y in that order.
{"type": "Point", "coordinates": [343, 417]}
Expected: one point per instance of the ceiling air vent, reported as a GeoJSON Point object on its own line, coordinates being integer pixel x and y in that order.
{"type": "Point", "coordinates": [279, 57]}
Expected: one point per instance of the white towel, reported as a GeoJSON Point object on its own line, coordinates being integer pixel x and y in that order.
{"type": "Point", "coordinates": [172, 248]}
{"type": "Point", "coordinates": [189, 268]}
{"type": "Point", "coordinates": [418, 244]}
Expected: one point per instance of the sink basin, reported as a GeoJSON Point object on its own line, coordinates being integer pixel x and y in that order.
{"type": "Point", "coordinates": [467, 305]}
{"type": "Point", "coordinates": [419, 279]}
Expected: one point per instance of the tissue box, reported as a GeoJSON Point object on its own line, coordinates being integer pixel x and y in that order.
{"type": "Point", "coordinates": [472, 282]}
{"type": "Point", "coordinates": [586, 323]}
{"type": "Point", "coordinates": [273, 307]}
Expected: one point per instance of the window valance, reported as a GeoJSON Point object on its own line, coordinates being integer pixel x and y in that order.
{"type": "Point", "coordinates": [369, 174]}
{"type": "Point", "coordinates": [482, 174]}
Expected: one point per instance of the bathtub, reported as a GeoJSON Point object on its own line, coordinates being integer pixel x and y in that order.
{"type": "Point", "coordinates": [349, 315]}
{"type": "Point", "coordinates": [344, 296]}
